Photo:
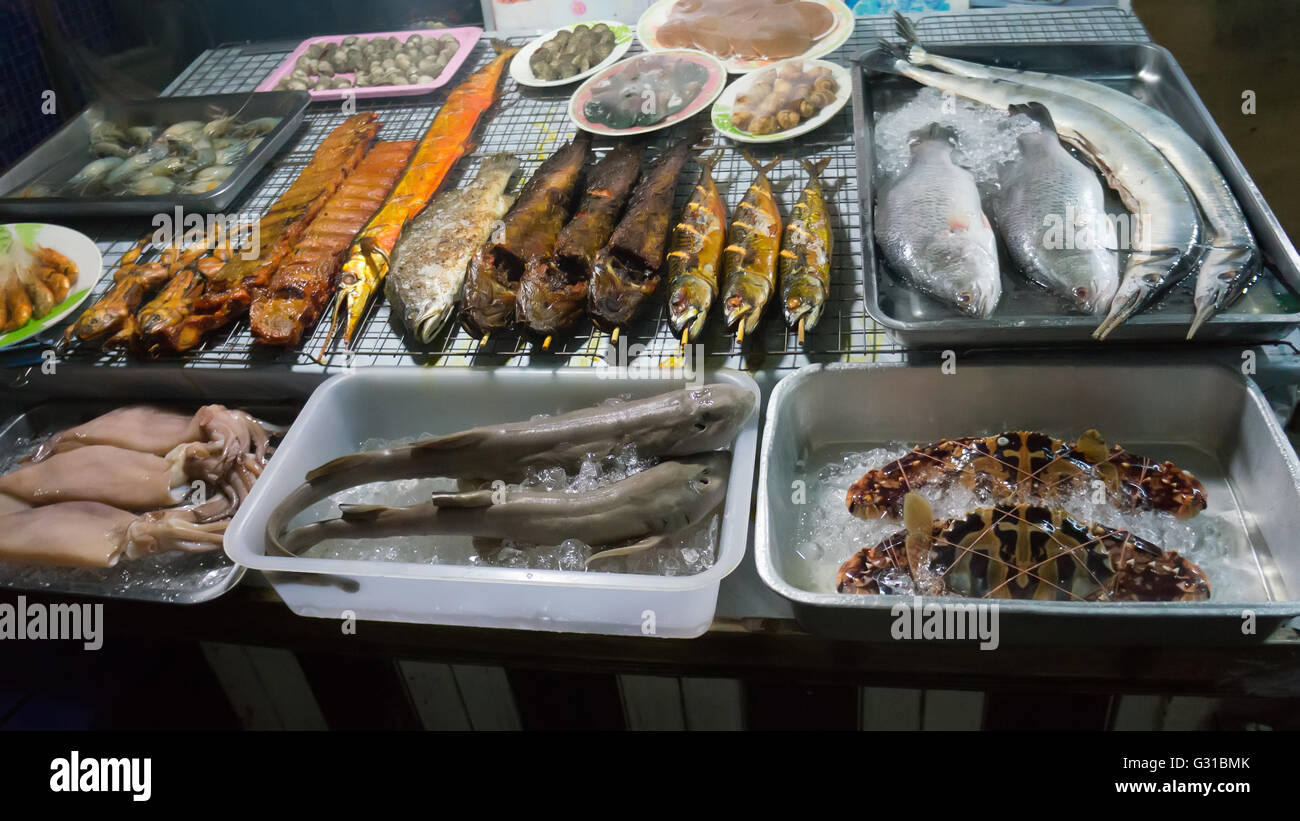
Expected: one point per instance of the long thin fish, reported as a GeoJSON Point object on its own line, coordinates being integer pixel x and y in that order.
{"type": "Point", "coordinates": [695, 261]}
{"type": "Point", "coordinates": [447, 140]}
{"type": "Point", "coordinates": [749, 260]}
{"type": "Point", "coordinates": [1166, 227]}
{"type": "Point", "coordinates": [692, 420]}
{"type": "Point", "coordinates": [429, 262]}
{"type": "Point", "coordinates": [805, 262]}
{"type": "Point", "coordinates": [553, 290]}
{"type": "Point", "coordinates": [668, 497]}
{"type": "Point", "coordinates": [1232, 259]}
{"type": "Point", "coordinates": [626, 271]}
{"type": "Point", "coordinates": [528, 232]}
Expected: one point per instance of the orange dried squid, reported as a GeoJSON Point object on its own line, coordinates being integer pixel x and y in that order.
{"type": "Point", "coordinates": [446, 141]}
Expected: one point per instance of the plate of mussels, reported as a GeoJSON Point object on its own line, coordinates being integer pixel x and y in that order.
{"type": "Point", "coordinates": [647, 92]}
{"type": "Point", "coordinates": [570, 53]}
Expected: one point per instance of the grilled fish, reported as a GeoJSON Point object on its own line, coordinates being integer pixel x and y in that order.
{"type": "Point", "coordinates": [1166, 228]}
{"type": "Point", "coordinates": [626, 271]}
{"type": "Point", "coordinates": [428, 265]}
{"type": "Point", "coordinates": [553, 290]}
{"type": "Point", "coordinates": [932, 229]}
{"type": "Point", "coordinates": [1044, 194]}
{"type": "Point", "coordinates": [695, 260]}
{"type": "Point", "coordinates": [668, 497]}
{"type": "Point", "coordinates": [528, 232]}
{"type": "Point", "coordinates": [1021, 552]}
{"type": "Point", "coordinates": [749, 259]}
{"type": "Point", "coordinates": [1232, 260]}
{"type": "Point", "coordinates": [447, 140]}
{"type": "Point", "coordinates": [300, 288]}
{"type": "Point", "coordinates": [228, 295]}
{"type": "Point", "coordinates": [805, 262]}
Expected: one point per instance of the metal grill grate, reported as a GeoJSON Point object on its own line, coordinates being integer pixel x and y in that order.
{"type": "Point", "coordinates": [531, 123]}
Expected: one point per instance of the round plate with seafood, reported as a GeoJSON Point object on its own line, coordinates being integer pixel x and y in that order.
{"type": "Point", "coordinates": [46, 272]}
{"type": "Point", "coordinates": [835, 17]}
{"type": "Point", "coordinates": [647, 92]}
{"type": "Point", "coordinates": [521, 68]}
{"type": "Point", "coordinates": [733, 104]}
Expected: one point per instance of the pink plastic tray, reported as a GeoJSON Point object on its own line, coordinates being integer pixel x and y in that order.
{"type": "Point", "coordinates": [466, 36]}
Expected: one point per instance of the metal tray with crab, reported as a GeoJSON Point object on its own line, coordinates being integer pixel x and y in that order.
{"type": "Point", "coordinates": [1027, 314]}
{"type": "Point", "coordinates": [38, 185]}
{"type": "Point", "coordinates": [176, 577]}
{"type": "Point", "coordinates": [824, 424]}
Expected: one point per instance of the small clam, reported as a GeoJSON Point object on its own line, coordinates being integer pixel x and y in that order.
{"type": "Point", "coordinates": [415, 39]}
{"type": "Point", "coordinates": [350, 40]}
{"type": "Point", "coordinates": [314, 50]}
{"type": "Point", "coordinates": [402, 61]}
{"type": "Point", "coordinates": [324, 68]}
{"type": "Point", "coordinates": [297, 85]}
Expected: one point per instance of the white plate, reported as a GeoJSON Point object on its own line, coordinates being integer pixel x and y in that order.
{"type": "Point", "coordinates": [716, 78]}
{"type": "Point", "coordinates": [522, 71]}
{"type": "Point", "coordinates": [74, 245]}
{"type": "Point", "coordinates": [721, 114]}
{"type": "Point", "coordinates": [647, 29]}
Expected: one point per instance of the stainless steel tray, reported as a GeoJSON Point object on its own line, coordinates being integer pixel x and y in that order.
{"type": "Point", "coordinates": [1206, 418]}
{"type": "Point", "coordinates": [67, 150]}
{"type": "Point", "coordinates": [177, 578]}
{"type": "Point", "coordinates": [1027, 314]}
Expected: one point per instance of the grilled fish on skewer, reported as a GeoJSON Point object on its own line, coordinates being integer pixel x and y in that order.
{"type": "Point", "coordinates": [228, 295]}
{"type": "Point", "coordinates": [302, 285]}
{"type": "Point", "coordinates": [553, 290]}
{"type": "Point", "coordinates": [805, 261]}
{"type": "Point", "coordinates": [1166, 225]}
{"type": "Point", "coordinates": [528, 232]}
{"type": "Point", "coordinates": [1017, 465]}
{"type": "Point", "coordinates": [447, 140]}
{"type": "Point", "coordinates": [1233, 258]}
{"type": "Point", "coordinates": [695, 261]}
{"type": "Point", "coordinates": [429, 262]}
{"type": "Point", "coordinates": [1021, 552]}
{"type": "Point", "coordinates": [662, 499]}
{"type": "Point", "coordinates": [626, 270]}
{"type": "Point", "coordinates": [749, 259]}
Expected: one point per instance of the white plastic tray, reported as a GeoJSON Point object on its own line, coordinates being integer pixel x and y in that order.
{"type": "Point", "coordinates": [392, 403]}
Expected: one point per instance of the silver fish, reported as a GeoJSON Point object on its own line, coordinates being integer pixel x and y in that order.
{"type": "Point", "coordinates": [1051, 214]}
{"type": "Point", "coordinates": [428, 264]}
{"type": "Point", "coordinates": [691, 420]}
{"type": "Point", "coordinates": [1165, 226]}
{"type": "Point", "coordinates": [1232, 260]}
{"type": "Point", "coordinates": [931, 228]}
{"type": "Point", "coordinates": [633, 512]}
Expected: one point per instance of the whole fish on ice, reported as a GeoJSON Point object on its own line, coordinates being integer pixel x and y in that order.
{"type": "Point", "coordinates": [1165, 226]}
{"type": "Point", "coordinates": [1051, 214]}
{"type": "Point", "coordinates": [1232, 260]}
{"type": "Point", "coordinates": [931, 228]}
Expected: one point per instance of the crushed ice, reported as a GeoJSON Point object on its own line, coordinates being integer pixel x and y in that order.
{"type": "Point", "coordinates": [986, 136]}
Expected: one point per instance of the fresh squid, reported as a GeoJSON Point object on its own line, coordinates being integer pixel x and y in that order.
{"type": "Point", "coordinates": [93, 534]}
{"type": "Point", "coordinates": [144, 428]}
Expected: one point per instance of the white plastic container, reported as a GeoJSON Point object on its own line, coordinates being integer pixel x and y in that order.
{"type": "Point", "coordinates": [392, 403]}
